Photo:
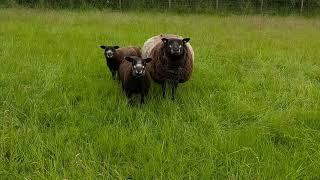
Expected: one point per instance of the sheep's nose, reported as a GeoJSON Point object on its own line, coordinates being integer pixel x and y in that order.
{"type": "Point", "coordinates": [109, 54]}
{"type": "Point", "coordinates": [176, 51]}
{"type": "Point", "coordinates": [139, 72]}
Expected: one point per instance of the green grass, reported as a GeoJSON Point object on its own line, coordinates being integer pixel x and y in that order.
{"type": "Point", "coordinates": [250, 111]}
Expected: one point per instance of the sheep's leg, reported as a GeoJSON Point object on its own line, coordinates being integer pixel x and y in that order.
{"type": "Point", "coordinates": [174, 85]}
{"type": "Point", "coordinates": [172, 90]}
{"type": "Point", "coordinates": [164, 83]}
{"type": "Point", "coordinates": [113, 74]}
{"type": "Point", "coordinates": [142, 99]}
{"type": "Point", "coordinates": [129, 96]}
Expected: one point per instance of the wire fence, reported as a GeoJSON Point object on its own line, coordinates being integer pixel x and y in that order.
{"type": "Point", "coordinates": [195, 6]}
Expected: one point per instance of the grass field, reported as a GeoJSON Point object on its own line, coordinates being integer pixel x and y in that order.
{"type": "Point", "coordinates": [250, 111]}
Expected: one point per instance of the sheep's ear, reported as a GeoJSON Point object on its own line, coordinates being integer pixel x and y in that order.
{"type": "Point", "coordinates": [130, 59]}
{"type": "Point", "coordinates": [115, 47]}
{"type": "Point", "coordinates": [164, 40]}
{"type": "Point", "coordinates": [103, 47]}
{"type": "Point", "coordinates": [185, 40]}
{"type": "Point", "coordinates": [148, 60]}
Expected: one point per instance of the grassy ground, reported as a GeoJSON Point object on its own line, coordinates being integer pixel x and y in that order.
{"type": "Point", "coordinates": [250, 111]}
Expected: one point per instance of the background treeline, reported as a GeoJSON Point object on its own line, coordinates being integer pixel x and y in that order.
{"type": "Point", "coordinates": [236, 6]}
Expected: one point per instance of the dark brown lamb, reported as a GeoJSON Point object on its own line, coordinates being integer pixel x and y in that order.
{"type": "Point", "coordinates": [115, 55]}
{"type": "Point", "coordinates": [172, 60]}
{"type": "Point", "coordinates": [134, 77]}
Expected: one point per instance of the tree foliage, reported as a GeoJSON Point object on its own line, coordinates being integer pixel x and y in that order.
{"type": "Point", "coordinates": [246, 6]}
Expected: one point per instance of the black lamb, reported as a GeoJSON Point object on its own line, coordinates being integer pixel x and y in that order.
{"type": "Point", "coordinates": [115, 55]}
{"type": "Point", "coordinates": [134, 77]}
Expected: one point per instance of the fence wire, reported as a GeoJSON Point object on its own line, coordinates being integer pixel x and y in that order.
{"type": "Point", "coordinates": [196, 6]}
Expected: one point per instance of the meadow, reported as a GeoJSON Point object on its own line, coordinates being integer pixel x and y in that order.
{"type": "Point", "coordinates": [250, 111]}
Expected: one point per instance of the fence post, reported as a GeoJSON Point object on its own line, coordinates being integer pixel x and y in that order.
{"type": "Point", "coordinates": [261, 7]}
{"type": "Point", "coordinates": [120, 5]}
{"type": "Point", "coordinates": [217, 4]}
{"type": "Point", "coordinates": [301, 8]}
{"type": "Point", "coordinates": [169, 4]}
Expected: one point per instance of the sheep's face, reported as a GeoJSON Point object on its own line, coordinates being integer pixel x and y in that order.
{"type": "Point", "coordinates": [138, 65]}
{"type": "Point", "coordinates": [175, 47]}
{"type": "Point", "coordinates": [109, 51]}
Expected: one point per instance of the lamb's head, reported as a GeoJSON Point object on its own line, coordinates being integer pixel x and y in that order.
{"type": "Point", "coordinates": [109, 51]}
{"type": "Point", "coordinates": [138, 65]}
{"type": "Point", "coordinates": [175, 47]}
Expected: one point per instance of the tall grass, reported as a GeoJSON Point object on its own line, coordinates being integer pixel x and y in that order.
{"type": "Point", "coordinates": [250, 111]}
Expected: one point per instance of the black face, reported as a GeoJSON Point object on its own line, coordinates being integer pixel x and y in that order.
{"type": "Point", "coordinates": [138, 65]}
{"type": "Point", "coordinates": [175, 47]}
{"type": "Point", "coordinates": [109, 51]}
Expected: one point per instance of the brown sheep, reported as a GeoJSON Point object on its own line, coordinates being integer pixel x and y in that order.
{"type": "Point", "coordinates": [115, 55]}
{"type": "Point", "coordinates": [134, 77]}
{"type": "Point", "coordinates": [172, 60]}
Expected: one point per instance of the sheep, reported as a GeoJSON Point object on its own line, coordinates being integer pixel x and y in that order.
{"type": "Point", "coordinates": [134, 77]}
{"type": "Point", "coordinates": [115, 55]}
{"type": "Point", "coordinates": [172, 60]}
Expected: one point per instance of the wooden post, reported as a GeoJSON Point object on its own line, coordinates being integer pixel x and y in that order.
{"type": "Point", "coordinates": [301, 8]}
{"type": "Point", "coordinates": [120, 5]}
{"type": "Point", "coordinates": [261, 7]}
{"type": "Point", "coordinates": [169, 4]}
{"type": "Point", "coordinates": [217, 4]}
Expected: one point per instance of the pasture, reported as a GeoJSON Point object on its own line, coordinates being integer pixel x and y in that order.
{"type": "Point", "coordinates": [250, 111]}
